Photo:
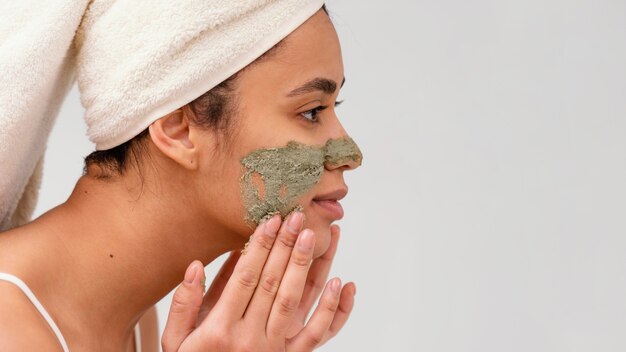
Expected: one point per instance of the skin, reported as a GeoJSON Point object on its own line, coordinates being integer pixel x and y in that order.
{"type": "Point", "coordinates": [285, 174]}
{"type": "Point", "coordinates": [124, 243]}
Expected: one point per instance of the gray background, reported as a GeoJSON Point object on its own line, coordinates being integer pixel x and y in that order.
{"type": "Point", "coordinates": [490, 213]}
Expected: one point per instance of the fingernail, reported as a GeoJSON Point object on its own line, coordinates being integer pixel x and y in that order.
{"type": "Point", "coordinates": [335, 285]}
{"type": "Point", "coordinates": [191, 273]}
{"type": "Point", "coordinates": [306, 241]}
{"type": "Point", "coordinates": [203, 282]}
{"type": "Point", "coordinates": [272, 225]}
{"type": "Point", "coordinates": [295, 222]}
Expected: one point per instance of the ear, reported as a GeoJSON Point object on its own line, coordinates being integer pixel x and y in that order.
{"type": "Point", "coordinates": [173, 137]}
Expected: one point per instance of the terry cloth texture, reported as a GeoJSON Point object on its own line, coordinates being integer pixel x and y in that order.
{"type": "Point", "coordinates": [134, 61]}
{"type": "Point", "coordinates": [35, 75]}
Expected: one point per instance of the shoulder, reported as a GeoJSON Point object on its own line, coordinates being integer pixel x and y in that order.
{"type": "Point", "coordinates": [22, 328]}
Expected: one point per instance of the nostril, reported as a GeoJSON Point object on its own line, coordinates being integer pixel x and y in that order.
{"type": "Point", "coordinates": [347, 163]}
{"type": "Point", "coordinates": [353, 164]}
{"type": "Point", "coordinates": [342, 152]}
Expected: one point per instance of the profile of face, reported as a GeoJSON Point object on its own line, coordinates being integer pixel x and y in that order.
{"type": "Point", "coordinates": [288, 98]}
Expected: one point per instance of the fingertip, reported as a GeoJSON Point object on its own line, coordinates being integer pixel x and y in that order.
{"type": "Point", "coordinates": [295, 221]}
{"type": "Point", "coordinates": [346, 301]}
{"type": "Point", "coordinates": [201, 278]}
{"type": "Point", "coordinates": [273, 224]}
{"type": "Point", "coordinates": [306, 240]}
{"type": "Point", "coordinates": [335, 286]}
{"type": "Point", "coordinates": [192, 271]}
{"type": "Point", "coordinates": [351, 287]}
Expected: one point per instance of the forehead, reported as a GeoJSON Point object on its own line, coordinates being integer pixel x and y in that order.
{"type": "Point", "coordinates": [312, 50]}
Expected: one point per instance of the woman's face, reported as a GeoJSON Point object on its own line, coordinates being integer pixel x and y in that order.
{"type": "Point", "coordinates": [289, 97]}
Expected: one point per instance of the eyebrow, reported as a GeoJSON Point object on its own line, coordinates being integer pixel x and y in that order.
{"type": "Point", "coordinates": [325, 85]}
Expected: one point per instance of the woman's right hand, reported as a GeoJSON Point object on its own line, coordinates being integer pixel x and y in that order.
{"type": "Point", "coordinates": [254, 309]}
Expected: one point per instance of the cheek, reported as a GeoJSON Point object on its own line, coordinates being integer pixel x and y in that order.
{"type": "Point", "coordinates": [221, 197]}
{"type": "Point", "coordinates": [274, 178]}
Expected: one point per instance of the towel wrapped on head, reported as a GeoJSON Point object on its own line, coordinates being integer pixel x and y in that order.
{"type": "Point", "coordinates": [134, 61]}
{"type": "Point", "coordinates": [138, 61]}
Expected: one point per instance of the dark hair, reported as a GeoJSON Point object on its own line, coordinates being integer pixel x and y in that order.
{"type": "Point", "coordinates": [212, 110]}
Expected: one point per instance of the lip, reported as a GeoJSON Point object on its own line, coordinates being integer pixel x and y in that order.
{"type": "Point", "coordinates": [329, 203]}
{"type": "Point", "coordinates": [332, 207]}
{"type": "Point", "coordinates": [337, 194]}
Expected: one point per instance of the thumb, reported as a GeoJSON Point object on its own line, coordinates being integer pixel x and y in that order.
{"type": "Point", "coordinates": [184, 309]}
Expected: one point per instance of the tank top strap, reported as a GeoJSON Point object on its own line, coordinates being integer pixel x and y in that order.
{"type": "Point", "coordinates": [137, 337]}
{"type": "Point", "coordinates": [44, 313]}
{"type": "Point", "coordinates": [31, 296]}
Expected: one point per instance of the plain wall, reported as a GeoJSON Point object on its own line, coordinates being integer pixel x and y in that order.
{"type": "Point", "coordinates": [490, 211]}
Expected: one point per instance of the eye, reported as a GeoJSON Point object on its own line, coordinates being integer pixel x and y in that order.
{"type": "Point", "coordinates": [312, 115]}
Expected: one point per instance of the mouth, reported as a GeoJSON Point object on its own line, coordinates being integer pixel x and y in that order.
{"type": "Point", "coordinates": [328, 203]}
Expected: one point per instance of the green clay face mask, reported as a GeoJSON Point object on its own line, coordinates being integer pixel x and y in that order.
{"type": "Point", "coordinates": [275, 177]}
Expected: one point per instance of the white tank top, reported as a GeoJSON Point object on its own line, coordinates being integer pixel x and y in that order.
{"type": "Point", "coordinates": [22, 286]}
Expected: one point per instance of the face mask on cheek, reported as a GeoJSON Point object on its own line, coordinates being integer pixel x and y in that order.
{"type": "Point", "coordinates": [274, 178]}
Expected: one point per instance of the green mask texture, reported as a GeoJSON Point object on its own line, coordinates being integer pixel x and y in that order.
{"type": "Point", "coordinates": [287, 173]}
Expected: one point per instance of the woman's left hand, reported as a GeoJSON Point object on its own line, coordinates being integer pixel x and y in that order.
{"type": "Point", "coordinates": [316, 280]}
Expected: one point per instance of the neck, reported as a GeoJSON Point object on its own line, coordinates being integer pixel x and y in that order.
{"type": "Point", "coordinates": [126, 247]}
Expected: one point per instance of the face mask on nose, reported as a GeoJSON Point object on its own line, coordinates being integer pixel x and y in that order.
{"type": "Point", "coordinates": [275, 178]}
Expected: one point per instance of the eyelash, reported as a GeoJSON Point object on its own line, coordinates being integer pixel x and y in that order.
{"type": "Point", "coordinates": [316, 110]}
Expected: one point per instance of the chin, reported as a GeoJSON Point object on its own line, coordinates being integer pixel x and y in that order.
{"type": "Point", "coordinates": [321, 227]}
{"type": "Point", "coordinates": [322, 241]}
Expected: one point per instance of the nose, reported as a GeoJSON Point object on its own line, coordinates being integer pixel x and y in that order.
{"type": "Point", "coordinates": [342, 153]}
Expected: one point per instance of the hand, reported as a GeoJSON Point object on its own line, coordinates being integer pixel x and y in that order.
{"type": "Point", "coordinates": [318, 274]}
{"type": "Point", "coordinates": [257, 302]}
{"type": "Point", "coordinates": [315, 282]}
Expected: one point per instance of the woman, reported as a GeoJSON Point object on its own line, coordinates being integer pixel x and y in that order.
{"type": "Point", "coordinates": [185, 190]}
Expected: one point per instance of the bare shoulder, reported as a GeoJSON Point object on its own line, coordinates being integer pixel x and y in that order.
{"type": "Point", "coordinates": [22, 328]}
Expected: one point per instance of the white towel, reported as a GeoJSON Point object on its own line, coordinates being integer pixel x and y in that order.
{"type": "Point", "coordinates": [135, 61]}
{"type": "Point", "coordinates": [35, 75]}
